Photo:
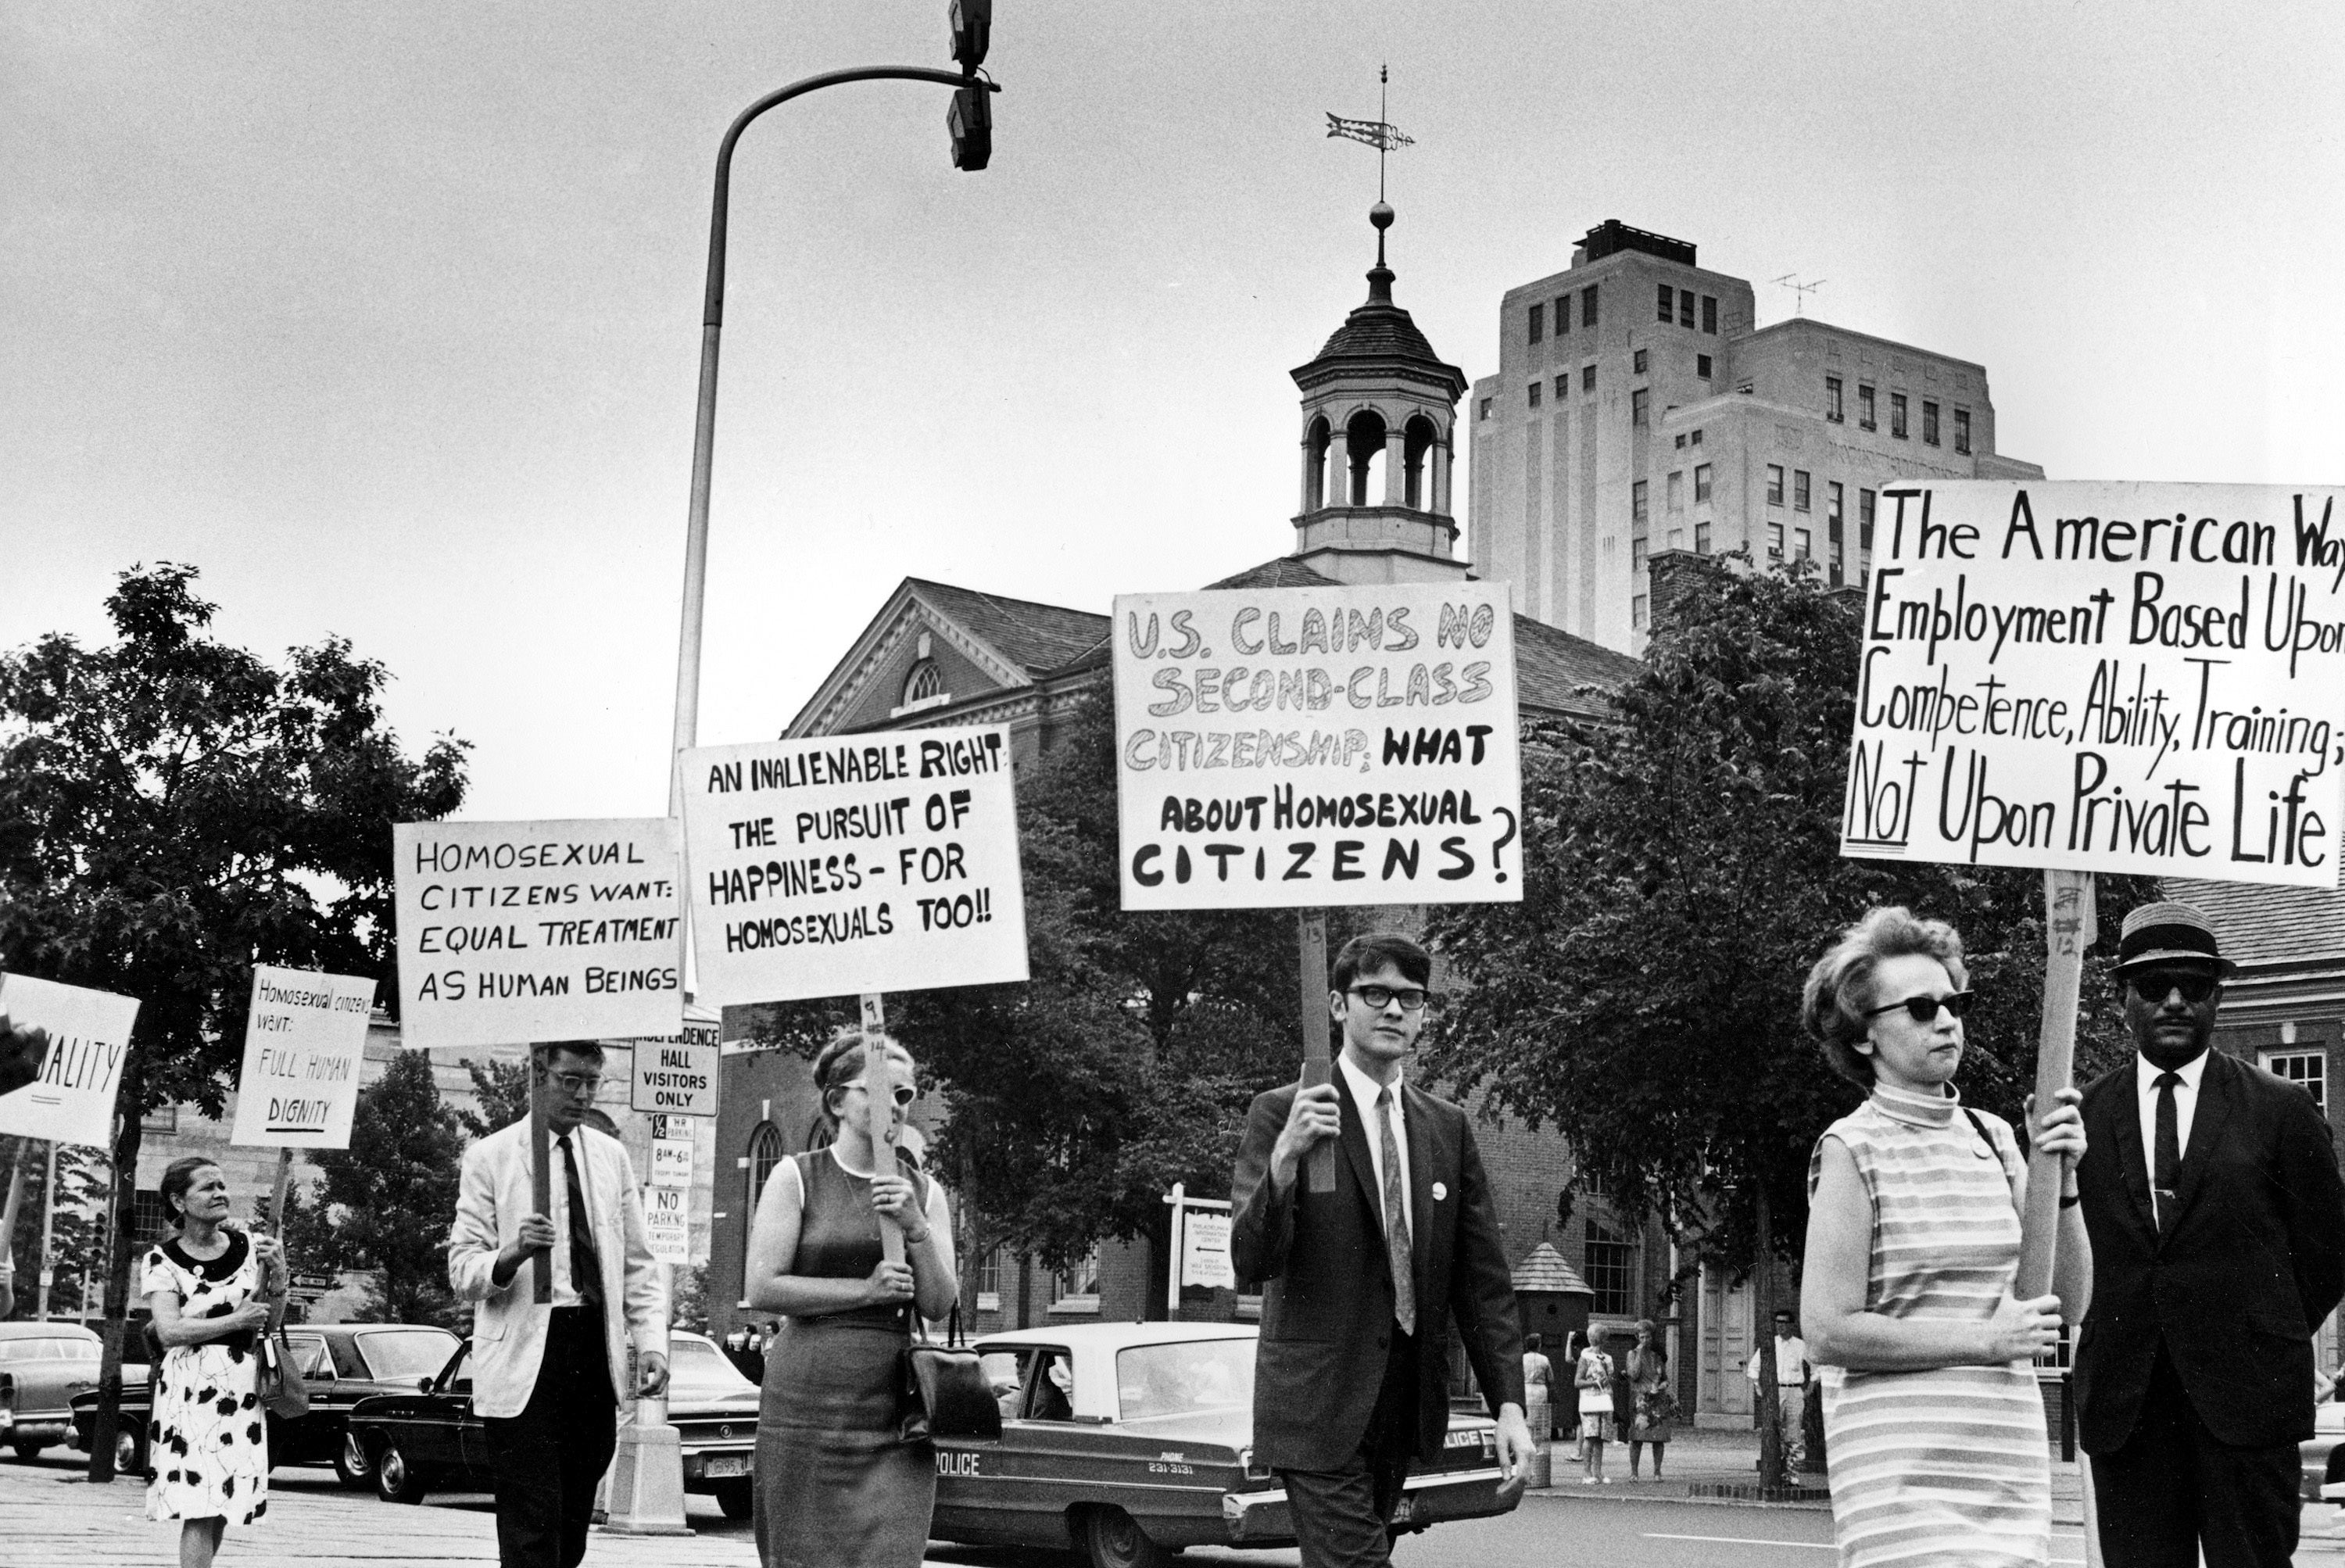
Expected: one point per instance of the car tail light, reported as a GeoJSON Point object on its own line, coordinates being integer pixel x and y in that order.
{"type": "Point", "coordinates": [7, 1398]}
{"type": "Point", "coordinates": [1252, 1471]}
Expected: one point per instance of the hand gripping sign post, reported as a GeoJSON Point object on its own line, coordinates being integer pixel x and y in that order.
{"type": "Point", "coordinates": [1312, 747]}
{"type": "Point", "coordinates": [538, 931]}
{"type": "Point", "coordinates": [2099, 676]}
{"type": "Point", "coordinates": [304, 1044]}
{"type": "Point", "coordinates": [854, 864]}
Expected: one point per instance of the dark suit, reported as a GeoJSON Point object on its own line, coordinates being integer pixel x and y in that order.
{"type": "Point", "coordinates": [2194, 1370]}
{"type": "Point", "coordinates": [1343, 1401]}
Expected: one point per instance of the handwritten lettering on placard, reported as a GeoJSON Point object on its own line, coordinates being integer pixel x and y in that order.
{"type": "Point", "coordinates": [1317, 746]}
{"type": "Point", "coordinates": [2120, 677]}
{"type": "Point", "coordinates": [304, 1045]}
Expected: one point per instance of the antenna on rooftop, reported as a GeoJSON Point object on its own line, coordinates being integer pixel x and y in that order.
{"type": "Point", "coordinates": [1801, 290]}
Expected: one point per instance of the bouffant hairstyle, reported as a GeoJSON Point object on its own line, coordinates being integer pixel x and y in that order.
{"type": "Point", "coordinates": [178, 1177]}
{"type": "Point", "coordinates": [1367, 955]}
{"type": "Point", "coordinates": [840, 1063]}
{"type": "Point", "coordinates": [1840, 987]}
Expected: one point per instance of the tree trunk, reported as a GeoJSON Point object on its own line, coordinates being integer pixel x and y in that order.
{"type": "Point", "coordinates": [127, 1101]}
{"type": "Point", "coordinates": [1763, 1312]}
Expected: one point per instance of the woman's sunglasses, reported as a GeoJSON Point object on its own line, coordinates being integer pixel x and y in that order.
{"type": "Point", "coordinates": [1925, 1008]}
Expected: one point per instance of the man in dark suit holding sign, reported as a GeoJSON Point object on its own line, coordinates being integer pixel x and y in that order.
{"type": "Point", "coordinates": [1350, 1379]}
{"type": "Point", "coordinates": [2211, 1196]}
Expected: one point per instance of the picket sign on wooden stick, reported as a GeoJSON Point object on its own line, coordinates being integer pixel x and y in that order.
{"type": "Point", "coordinates": [1311, 978]}
{"type": "Point", "coordinates": [879, 1106]}
{"type": "Point", "coordinates": [277, 1193]}
{"type": "Point", "coordinates": [541, 1176]}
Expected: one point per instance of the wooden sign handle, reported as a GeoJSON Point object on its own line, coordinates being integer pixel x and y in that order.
{"type": "Point", "coordinates": [2068, 931]}
{"type": "Point", "coordinates": [1318, 1066]}
{"type": "Point", "coordinates": [879, 1105]}
{"type": "Point", "coordinates": [541, 1175]}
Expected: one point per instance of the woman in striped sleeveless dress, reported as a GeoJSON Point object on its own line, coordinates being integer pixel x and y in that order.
{"type": "Point", "coordinates": [1934, 1427]}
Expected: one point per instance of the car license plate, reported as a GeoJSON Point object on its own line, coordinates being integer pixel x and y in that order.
{"type": "Point", "coordinates": [725, 1464]}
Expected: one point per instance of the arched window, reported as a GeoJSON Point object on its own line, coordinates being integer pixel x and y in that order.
{"type": "Point", "coordinates": [765, 1153]}
{"type": "Point", "coordinates": [925, 681]}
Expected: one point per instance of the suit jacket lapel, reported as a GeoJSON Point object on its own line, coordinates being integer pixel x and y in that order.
{"type": "Point", "coordinates": [1419, 1118]}
{"type": "Point", "coordinates": [2132, 1161]}
{"type": "Point", "coordinates": [1355, 1139]}
{"type": "Point", "coordinates": [2216, 1087]}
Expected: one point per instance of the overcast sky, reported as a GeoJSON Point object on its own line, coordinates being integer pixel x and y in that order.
{"type": "Point", "coordinates": [387, 317]}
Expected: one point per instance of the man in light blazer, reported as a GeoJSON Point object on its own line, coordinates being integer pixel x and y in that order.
{"type": "Point", "coordinates": [1360, 1285]}
{"type": "Point", "coordinates": [544, 1377]}
{"type": "Point", "coordinates": [2212, 1197]}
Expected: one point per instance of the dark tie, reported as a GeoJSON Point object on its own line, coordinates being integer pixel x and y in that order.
{"type": "Point", "coordinates": [585, 1263]}
{"type": "Point", "coordinates": [1396, 1248]}
{"type": "Point", "coordinates": [2166, 1163]}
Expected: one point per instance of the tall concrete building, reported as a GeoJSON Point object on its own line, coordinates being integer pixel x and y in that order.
{"type": "Point", "coordinates": [1636, 408]}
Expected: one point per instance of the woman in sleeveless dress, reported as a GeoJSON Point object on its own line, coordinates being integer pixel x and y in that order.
{"type": "Point", "coordinates": [207, 1289]}
{"type": "Point", "coordinates": [1934, 1427]}
{"type": "Point", "coordinates": [837, 1486]}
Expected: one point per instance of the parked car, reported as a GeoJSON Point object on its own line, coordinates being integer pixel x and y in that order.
{"type": "Point", "coordinates": [42, 1367]}
{"type": "Point", "coordinates": [1128, 1441]}
{"type": "Point", "coordinates": [341, 1362]}
{"type": "Point", "coordinates": [429, 1439]}
{"type": "Point", "coordinates": [2320, 1458]}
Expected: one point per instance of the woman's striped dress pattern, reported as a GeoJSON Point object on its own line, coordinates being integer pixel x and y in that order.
{"type": "Point", "coordinates": [1947, 1466]}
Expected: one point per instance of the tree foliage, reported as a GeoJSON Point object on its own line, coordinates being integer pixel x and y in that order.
{"type": "Point", "coordinates": [78, 1229]}
{"type": "Point", "coordinates": [174, 810]}
{"type": "Point", "coordinates": [500, 1092]}
{"type": "Point", "coordinates": [1682, 873]}
{"type": "Point", "coordinates": [386, 1199]}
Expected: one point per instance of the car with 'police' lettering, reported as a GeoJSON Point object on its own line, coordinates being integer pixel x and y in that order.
{"type": "Point", "coordinates": [1128, 1441]}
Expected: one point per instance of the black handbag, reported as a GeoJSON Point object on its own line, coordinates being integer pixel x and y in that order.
{"type": "Point", "coordinates": [945, 1392]}
{"type": "Point", "coordinates": [280, 1385]}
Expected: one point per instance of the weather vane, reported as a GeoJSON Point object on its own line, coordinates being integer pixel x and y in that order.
{"type": "Point", "coordinates": [1379, 133]}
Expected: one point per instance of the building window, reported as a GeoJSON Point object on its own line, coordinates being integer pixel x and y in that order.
{"type": "Point", "coordinates": [1677, 539]}
{"type": "Point", "coordinates": [1864, 407]}
{"type": "Point", "coordinates": [1562, 315]}
{"type": "Point", "coordinates": [1775, 540]}
{"type": "Point", "coordinates": [1709, 314]}
{"type": "Point", "coordinates": [765, 1153]}
{"type": "Point", "coordinates": [1639, 502]}
{"type": "Point", "coordinates": [1588, 378]}
{"type": "Point", "coordinates": [1588, 306]}
{"type": "Point", "coordinates": [1637, 612]}
{"type": "Point", "coordinates": [1608, 1260]}
{"type": "Point", "coordinates": [1832, 410]}
{"type": "Point", "coordinates": [1677, 490]}
{"type": "Point", "coordinates": [1539, 322]}
{"type": "Point", "coordinates": [1896, 416]}
{"type": "Point", "coordinates": [1680, 442]}
{"type": "Point", "coordinates": [925, 681]}
{"type": "Point", "coordinates": [1929, 425]}
{"type": "Point", "coordinates": [1799, 490]}
{"type": "Point", "coordinates": [1640, 362]}
{"type": "Point", "coordinates": [1702, 366]}
{"type": "Point", "coordinates": [1865, 501]}
{"type": "Point", "coordinates": [1831, 563]}
{"type": "Point", "coordinates": [1803, 543]}
{"type": "Point", "coordinates": [1076, 1288]}
{"type": "Point", "coordinates": [1700, 483]}
{"type": "Point", "coordinates": [1963, 429]}
{"type": "Point", "coordinates": [150, 1220]}
{"type": "Point", "coordinates": [1834, 491]}
{"type": "Point", "coordinates": [1563, 386]}
{"type": "Point", "coordinates": [2307, 1068]}
{"type": "Point", "coordinates": [1641, 407]}
{"type": "Point", "coordinates": [162, 1119]}
{"type": "Point", "coordinates": [1702, 538]}
{"type": "Point", "coordinates": [1697, 438]}
{"type": "Point", "coordinates": [1535, 394]}
{"type": "Point", "coordinates": [989, 1269]}
{"type": "Point", "coordinates": [1668, 304]}
{"type": "Point", "coordinates": [1774, 484]}
{"type": "Point", "coordinates": [1685, 309]}
{"type": "Point", "coordinates": [1485, 408]}
{"type": "Point", "coordinates": [1635, 554]}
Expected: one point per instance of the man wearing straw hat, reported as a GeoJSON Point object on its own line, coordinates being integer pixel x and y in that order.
{"type": "Point", "coordinates": [2211, 1196]}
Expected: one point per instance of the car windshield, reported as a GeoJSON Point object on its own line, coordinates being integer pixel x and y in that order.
{"type": "Point", "coordinates": [699, 1367]}
{"type": "Point", "coordinates": [400, 1355]}
{"type": "Point", "coordinates": [1174, 1380]}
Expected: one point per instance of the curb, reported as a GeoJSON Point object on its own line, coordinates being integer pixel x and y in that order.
{"type": "Point", "coordinates": [2069, 1516]}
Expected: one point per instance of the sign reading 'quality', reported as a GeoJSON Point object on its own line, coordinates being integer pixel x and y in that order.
{"type": "Point", "coordinates": [2116, 677]}
{"type": "Point", "coordinates": [1281, 747]}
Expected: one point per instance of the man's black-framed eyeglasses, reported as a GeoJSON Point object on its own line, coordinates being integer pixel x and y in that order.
{"type": "Point", "coordinates": [1412, 998]}
{"type": "Point", "coordinates": [2153, 985]}
{"type": "Point", "coordinates": [576, 1083]}
{"type": "Point", "coordinates": [1925, 1008]}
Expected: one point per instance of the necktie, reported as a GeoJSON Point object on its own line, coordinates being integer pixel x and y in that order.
{"type": "Point", "coordinates": [585, 1263]}
{"type": "Point", "coordinates": [1396, 1245]}
{"type": "Point", "coordinates": [2167, 1161]}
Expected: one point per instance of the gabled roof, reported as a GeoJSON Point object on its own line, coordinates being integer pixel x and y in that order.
{"type": "Point", "coordinates": [1545, 1270]}
{"type": "Point", "coordinates": [1039, 638]}
{"type": "Point", "coordinates": [1551, 665]}
{"type": "Point", "coordinates": [2267, 926]}
{"type": "Point", "coordinates": [1281, 572]}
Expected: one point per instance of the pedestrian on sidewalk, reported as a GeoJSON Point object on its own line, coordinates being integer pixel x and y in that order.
{"type": "Point", "coordinates": [209, 1290]}
{"type": "Point", "coordinates": [1655, 1414]}
{"type": "Point", "coordinates": [546, 1378]}
{"type": "Point", "coordinates": [1538, 1388]}
{"type": "Point", "coordinates": [1791, 1388]}
{"type": "Point", "coordinates": [1566, 1410]}
{"type": "Point", "coordinates": [1933, 1424]}
{"type": "Point", "coordinates": [1593, 1379]}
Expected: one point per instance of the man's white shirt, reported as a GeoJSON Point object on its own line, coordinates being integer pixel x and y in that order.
{"type": "Point", "coordinates": [1364, 1091]}
{"type": "Point", "coordinates": [2146, 1073]}
{"type": "Point", "coordinates": [1791, 1362]}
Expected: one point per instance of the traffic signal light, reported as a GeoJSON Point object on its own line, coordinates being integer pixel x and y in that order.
{"type": "Point", "coordinates": [970, 120]}
{"type": "Point", "coordinates": [972, 23]}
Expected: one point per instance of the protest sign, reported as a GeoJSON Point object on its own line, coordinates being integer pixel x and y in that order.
{"type": "Point", "coordinates": [667, 1224]}
{"type": "Point", "coordinates": [1311, 746]}
{"type": "Point", "coordinates": [671, 1162]}
{"type": "Point", "coordinates": [304, 1043]}
{"type": "Point", "coordinates": [2103, 678]}
{"type": "Point", "coordinates": [72, 1101]}
{"type": "Point", "coordinates": [520, 932]}
{"type": "Point", "coordinates": [856, 863]}
{"type": "Point", "coordinates": [1205, 1251]}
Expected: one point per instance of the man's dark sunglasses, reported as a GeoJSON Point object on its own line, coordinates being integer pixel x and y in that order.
{"type": "Point", "coordinates": [1925, 1008]}
{"type": "Point", "coordinates": [1412, 999]}
{"type": "Point", "coordinates": [2153, 985]}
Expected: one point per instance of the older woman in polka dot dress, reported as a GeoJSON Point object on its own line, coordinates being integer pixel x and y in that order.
{"type": "Point", "coordinates": [208, 1288]}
